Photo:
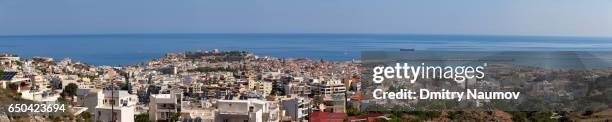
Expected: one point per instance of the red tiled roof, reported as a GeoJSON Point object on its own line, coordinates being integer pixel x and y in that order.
{"type": "Point", "coordinates": [355, 80]}
{"type": "Point", "coordinates": [358, 97]}
{"type": "Point", "coordinates": [327, 117]}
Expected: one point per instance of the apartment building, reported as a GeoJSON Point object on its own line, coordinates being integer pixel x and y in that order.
{"type": "Point", "coordinates": [162, 106]}
{"type": "Point", "coordinates": [299, 89]}
{"type": "Point", "coordinates": [330, 95]}
{"type": "Point", "coordinates": [108, 106]}
{"type": "Point", "coordinates": [252, 110]}
{"type": "Point", "coordinates": [297, 108]}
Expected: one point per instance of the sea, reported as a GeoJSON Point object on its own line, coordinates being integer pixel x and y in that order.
{"type": "Point", "coordinates": [125, 49]}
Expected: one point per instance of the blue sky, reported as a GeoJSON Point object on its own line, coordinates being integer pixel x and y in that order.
{"type": "Point", "coordinates": [473, 17]}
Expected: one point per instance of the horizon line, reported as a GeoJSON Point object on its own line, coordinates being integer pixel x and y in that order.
{"type": "Point", "coordinates": [293, 33]}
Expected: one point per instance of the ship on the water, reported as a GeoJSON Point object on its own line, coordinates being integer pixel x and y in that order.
{"type": "Point", "coordinates": [406, 49]}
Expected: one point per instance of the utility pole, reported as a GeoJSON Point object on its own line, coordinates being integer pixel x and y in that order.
{"type": "Point", "coordinates": [113, 101]}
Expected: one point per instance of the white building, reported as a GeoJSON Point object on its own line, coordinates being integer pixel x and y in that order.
{"type": "Point", "coordinates": [162, 106]}
{"type": "Point", "coordinates": [61, 81]}
{"type": "Point", "coordinates": [331, 96]}
{"type": "Point", "coordinates": [295, 88]}
{"type": "Point", "coordinates": [108, 105]}
{"type": "Point", "coordinates": [21, 84]}
{"type": "Point", "coordinates": [297, 108]}
{"type": "Point", "coordinates": [265, 87]}
{"type": "Point", "coordinates": [89, 98]}
{"type": "Point", "coordinates": [8, 58]}
{"type": "Point", "coordinates": [252, 110]}
{"type": "Point", "coordinates": [40, 96]}
{"type": "Point", "coordinates": [197, 111]}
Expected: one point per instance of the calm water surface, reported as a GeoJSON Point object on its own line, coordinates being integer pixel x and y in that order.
{"type": "Point", "coordinates": [137, 48]}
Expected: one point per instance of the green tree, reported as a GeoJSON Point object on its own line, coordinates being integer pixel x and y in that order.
{"type": "Point", "coordinates": [354, 112]}
{"type": "Point", "coordinates": [62, 100]}
{"type": "Point", "coordinates": [143, 117]}
{"type": "Point", "coordinates": [277, 89]}
{"type": "Point", "coordinates": [1, 73]}
{"type": "Point", "coordinates": [394, 118]}
{"type": "Point", "coordinates": [126, 86]}
{"type": "Point", "coordinates": [346, 120]}
{"type": "Point", "coordinates": [70, 89]}
{"type": "Point", "coordinates": [542, 117]}
{"type": "Point", "coordinates": [174, 116]}
{"type": "Point", "coordinates": [86, 116]}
